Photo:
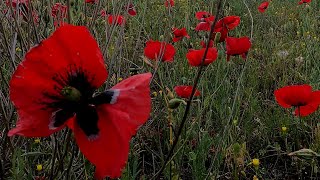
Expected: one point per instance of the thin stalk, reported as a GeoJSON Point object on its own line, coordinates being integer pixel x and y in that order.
{"type": "Point", "coordinates": [53, 157]}
{"type": "Point", "coordinates": [196, 81]}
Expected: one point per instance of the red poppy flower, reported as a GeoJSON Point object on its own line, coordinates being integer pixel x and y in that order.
{"type": "Point", "coordinates": [59, 11]}
{"type": "Point", "coordinates": [304, 1]}
{"type": "Point", "coordinates": [228, 22]}
{"type": "Point", "coordinates": [179, 34]}
{"type": "Point", "coordinates": [55, 86]}
{"type": "Point", "coordinates": [118, 20]}
{"type": "Point", "coordinates": [195, 56]}
{"type": "Point", "coordinates": [131, 10]}
{"type": "Point", "coordinates": [204, 16]}
{"type": "Point", "coordinates": [185, 91]}
{"type": "Point", "coordinates": [167, 2]}
{"type": "Point", "coordinates": [90, 1]}
{"type": "Point", "coordinates": [237, 46]}
{"type": "Point", "coordinates": [263, 6]}
{"type": "Point", "coordinates": [203, 44]}
{"type": "Point", "coordinates": [223, 34]}
{"type": "Point", "coordinates": [16, 3]}
{"type": "Point", "coordinates": [300, 96]}
{"type": "Point", "coordinates": [157, 49]}
{"type": "Point", "coordinates": [203, 26]}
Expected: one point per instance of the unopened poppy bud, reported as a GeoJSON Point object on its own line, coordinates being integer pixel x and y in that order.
{"type": "Point", "coordinates": [217, 38]}
{"type": "Point", "coordinates": [71, 93]}
{"type": "Point", "coordinates": [170, 94]}
{"type": "Point", "coordinates": [175, 103]}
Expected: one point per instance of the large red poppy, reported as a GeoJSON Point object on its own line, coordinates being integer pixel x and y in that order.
{"type": "Point", "coordinates": [195, 56]}
{"type": "Point", "coordinates": [263, 6]}
{"type": "Point", "coordinates": [55, 86]}
{"type": "Point", "coordinates": [237, 46]}
{"type": "Point", "coordinates": [179, 34]}
{"type": "Point", "coordinates": [302, 97]}
{"type": "Point", "coordinates": [185, 91]}
{"type": "Point", "coordinates": [304, 2]}
{"type": "Point", "coordinates": [156, 49]}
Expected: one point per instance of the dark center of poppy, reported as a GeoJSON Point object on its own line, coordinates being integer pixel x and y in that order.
{"type": "Point", "coordinates": [76, 98]}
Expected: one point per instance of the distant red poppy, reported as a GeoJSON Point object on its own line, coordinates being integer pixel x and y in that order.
{"type": "Point", "coordinates": [90, 1]}
{"type": "Point", "coordinates": [237, 46]}
{"type": "Point", "coordinates": [16, 3]}
{"type": "Point", "coordinates": [195, 56]}
{"type": "Point", "coordinates": [299, 96]}
{"type": "Point", "coordinates": [169, 2]}
{"type": "Point", "coordinates": [156, 49]}
{"type": "Point", "coordinates": [185, 91]}
{"type": "Point", "coordinates": [59, 11]}
{"type": "Point", "coordinates": [179, 34]}
{"type": "Point", "coordinates": [263, 6]}
{"type": "Point", "coordinates": [21, 6]}
{"type": "Point", "coordinates": [117, 19]}
{"type": "Point", "coordinates": [55, 86]}
{"type": "Point", "coordinates": [304, 1]}
{"type": "Point", "coordinates": [131, 10]}
{"type": "Point", "coordinates": [203, 44]}
{"type": "Point", "coordinates": [204, 16]}
{"type": "Point", "coordinates": [103, 13]}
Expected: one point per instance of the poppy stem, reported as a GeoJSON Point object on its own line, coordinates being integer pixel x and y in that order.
{"type": "Point", "coordinates": [53, 156]}
{"type": "Point", "coordinates": [196, 81]}
{"type": "Point", "coordinates": [69, 11]}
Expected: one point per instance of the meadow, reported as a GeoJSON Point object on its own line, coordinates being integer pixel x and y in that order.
{"type": "Point", "coordinates": [233, 129]}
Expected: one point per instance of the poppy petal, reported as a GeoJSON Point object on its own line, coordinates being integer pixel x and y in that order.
{"type": "Point", "coordinates": [117, 123]}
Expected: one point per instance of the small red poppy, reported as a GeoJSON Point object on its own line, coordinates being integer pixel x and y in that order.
{"type": "Point", "coordinates": [228, 22]}
{"type": "Point", "coordinates": [179, 34]}
{"type": "Point", "coordinates": [59, 11]}
{"type": "Point", "coordinates": [118, 20]}
{"type": "Point", "coordinates": [22, 7]}
{"type": "Point", "coordinates": [185, 91]}
{"type": "Point", "coordinates": [131, 10]}
{"type": "Point", "coordinates": [304, 1]}
{"type": "Point", "coordinates": [237, 46]}
{"type": "Point", "coordinates": [299, 96]}
{"type": "Point", "coordinates": [203, 26]}
{"type": "Point", "coordinates": [55, 86]}
{"type": "Point", "coordinates": [169, 2]}
{"type": "Point", "coordinates": [157, 49]}
{"type": "Point", "coordinates": [204, 16]}
{"type": "Point", "coordinates": [263, 6]}
{"type": "Point", "coordinates": [90, 1]}
{"type": "Point", "coordinates": [195, 56]}
{"type": "Point", "coordinates": [16, 3]}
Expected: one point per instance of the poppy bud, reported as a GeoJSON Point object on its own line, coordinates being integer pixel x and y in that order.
{"type": "Point", "coordinates": [175, 103]}
{"type": "Point", "coordinates": [217, 38]}
{"type": "Point", "coordinates": [169, 94]}
{"type": "Point", "coordinates": [71, 93]}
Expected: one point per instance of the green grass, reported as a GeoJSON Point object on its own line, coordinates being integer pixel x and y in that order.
{"type": "Point", "coordinates": [235, 119]}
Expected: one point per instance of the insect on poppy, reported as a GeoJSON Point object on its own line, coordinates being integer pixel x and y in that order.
{"type": "Point", "coordinates": [179, 34]}
{"type": "Point", "coordinates": [263, 6]}
{"type": "Point", "coordinates": [301, 97]}
{"type": "Point", "coordinates": [185, 91]}
{"type": "Point", "coordinates": [159, 50]}
{"type": "Point", "coordinates": [237, 46]}
{"type": "Point", "coordinates": [56, 85]}
{"type": "Point", "coordinates": [195, 56]}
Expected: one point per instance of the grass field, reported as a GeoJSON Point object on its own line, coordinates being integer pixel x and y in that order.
{"type": "Point", "coordinates": [232, 124]}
